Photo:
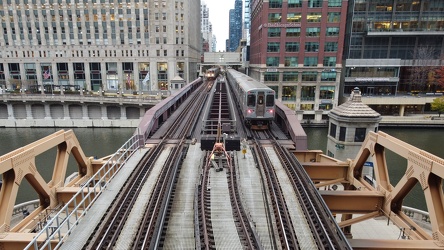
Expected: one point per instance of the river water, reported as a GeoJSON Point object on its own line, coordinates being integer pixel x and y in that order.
{"type": "Point", "coordinates": [101, 142]}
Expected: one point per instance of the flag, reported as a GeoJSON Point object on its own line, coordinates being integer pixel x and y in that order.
{"type": "Point", "coordinates": [147, 78]}
{"type": "Point", "coordinates": [46, 74]}
{"type": "Point", "coordinates": [128, 80]}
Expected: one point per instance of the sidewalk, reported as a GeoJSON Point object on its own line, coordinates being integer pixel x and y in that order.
{"type": "Point", "coordinates": [413, 120]}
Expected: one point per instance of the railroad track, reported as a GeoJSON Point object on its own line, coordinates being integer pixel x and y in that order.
{"type": "Point", "coordinates": [149, 233]}
{"type": "Point", "coordinates": [322, 225]}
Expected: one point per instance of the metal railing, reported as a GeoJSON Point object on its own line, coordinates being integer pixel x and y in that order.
{"type": "Point", "coordinates": [63, 222]}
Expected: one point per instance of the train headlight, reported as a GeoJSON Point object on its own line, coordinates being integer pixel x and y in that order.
{"type": "Point", "coordinates": [250, 111]}
{"type": "Point", "coordinates": [271, 111]}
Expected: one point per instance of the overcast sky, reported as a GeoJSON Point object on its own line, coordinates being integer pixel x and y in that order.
{"type": "Point", "coordinates": [219, 13]}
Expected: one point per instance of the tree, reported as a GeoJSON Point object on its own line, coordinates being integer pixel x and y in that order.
{"type": "Point", "coordinates": [439, 76]}
{"type": "Point", "coordinates": [438, 105]}
{"type": "Point", "coordinates": [422, 72]}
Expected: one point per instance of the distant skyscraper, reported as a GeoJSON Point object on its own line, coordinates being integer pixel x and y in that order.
{"type": "Point", "coordinates": [235, 25]}
{"type": "Point", "coordinates": [247, 21]}
{"type": "Point", "coordinates": [206, 26]}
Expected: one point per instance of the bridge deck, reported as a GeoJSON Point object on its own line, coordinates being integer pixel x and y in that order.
{"type": "Point", "coordinates": [81, 233]}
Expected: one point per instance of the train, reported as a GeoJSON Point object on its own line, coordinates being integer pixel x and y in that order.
{"type": "Point", "coordinates": [256, 101]}
{"type": "Point", "coordinates": [212, 73]}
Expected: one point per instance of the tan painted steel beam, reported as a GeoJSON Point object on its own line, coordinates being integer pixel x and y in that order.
{"type": "Point", "coordinates": [422, 167]}
{"type": "Point", "coordinates": [17, 241]}
{"type": "Point", "coordinates": [20, 164]}
{"type": "Point", "coordinates": [370, 244]}
{"type": "Point", "coordinates": [352, 202]}
{"type": "Point", "coordinates": [349, 222]}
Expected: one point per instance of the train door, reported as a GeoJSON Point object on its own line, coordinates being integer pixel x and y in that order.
{"type": "Point", "coordinates": [260, 109]}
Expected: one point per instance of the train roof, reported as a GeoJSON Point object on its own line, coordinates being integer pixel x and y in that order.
{"type": "Point", "coordinates": [247, 83]}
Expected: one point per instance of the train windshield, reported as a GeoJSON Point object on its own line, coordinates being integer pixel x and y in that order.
{"type": "Point", "coordinates": [270, 101]}
{"type": "Point", "coordinates": [260, 100]}
{"type": "Point", "coordinates": [251, 100]}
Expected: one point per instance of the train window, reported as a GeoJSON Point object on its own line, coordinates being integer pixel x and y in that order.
{"type": "Point", "coordinates": [260, 100]}
{"type": "Point", "coordinates": [251, 100]}
{"type": "Point", "coordinates": [270, 101]}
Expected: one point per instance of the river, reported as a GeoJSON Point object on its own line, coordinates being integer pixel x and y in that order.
{"type": "Point", "coordinates": [105, 141]}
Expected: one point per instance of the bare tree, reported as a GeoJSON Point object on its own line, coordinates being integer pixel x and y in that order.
{"type": "Point", "coordinates": [424, 66]}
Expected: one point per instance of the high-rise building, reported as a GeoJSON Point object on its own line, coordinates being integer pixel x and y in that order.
{"type": "Point", "coordinates": [247, 21]}
{"type": "Point", "coordinates": [207, 28]}
{"type": "Point", "coordinates": [99, 44]}
{"type": "Point", "coordinates": [393, 46]}
{"type": "Point", "coordinates": [296, 48]}
{"type": "Point", "coordinates": [235, 25]}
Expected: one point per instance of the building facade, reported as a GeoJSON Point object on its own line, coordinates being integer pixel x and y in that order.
{"type": "Point", "coordinates": [207, 27]}
{"type": "Point", "coordinates": [392, 48]}
{"type": "Point", "coordinates": [235, 26]}
{"type": "Point", "coordinates": [296, 49]}
{"type": "Point", "coordinates": [99, 44]}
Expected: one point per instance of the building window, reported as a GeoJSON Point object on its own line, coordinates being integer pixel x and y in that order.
{"type": "Point", "coordinates": [274, 32]}
{"type": "Point", "coordinates": [294, 17]}
{"type": "Point", "coordinates": [314, 17]}
{"type": "Point", "coordinates": [291, 47]}
{"type": "Point", "coordinates": [314, 3]}
{"type": "Point", "coordinates": [342, 131]}
{"type": "Point", "coordinates": [334, 17]}
{"type": "Point", "coordinates": [274, 17]}
{"type": "Point", "coordinates": [309, 76]}
{"type": "Point", "coordinates": [328, 76]}
{"type": "Point", "coordinates": [330, 61]}
{"type": "Point", "coordinates": [334, 3]}
{"type": "Point", "coordinates": [271, 76]}
{"type": "Point", "coordinates": [307, 106]}
{"type": "Point", "coordinates": [311, 61]}
{"type": "Point", "coordinates": [332, 130]}
{"type": "Point", "coordinates": [273, 61]}
{"type": "Point", "coordinates": [308, 93]}
{"type": "Point", "coordinates": [313, 31]}
{"type": "Point", "coordinates": [294, 3]}
{"type": "Point", "coordinates": [289, 93]}
{"type": "Point", "coordinates": [275, 3]}
{"type": "Point", "coordinates": [311, 46]}
{"type": "Point", "coordinates": [360, 134]}
{"type": "Point", "coordinates": [293, 32]}
{"type": "Point", "coordinates": [327, 92]}
{"type": "Point", "coordinates": [332, 31]}
{"type": "Point", "coordinates": [331, 47]}
{"type": "Point", "coordinates": [325, 106]}
{"type": "Point", "coordinates": [291, 61]}
{"type": "Point", "coordinates": [290, 77]}
{"type": "Point", "coordinates": [273, 47]}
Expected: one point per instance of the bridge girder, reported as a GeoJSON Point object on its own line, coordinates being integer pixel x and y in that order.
{"type": "Point", "coordinates": [20, 164]}
{"type": "Point", "coordinates": [360, 197]}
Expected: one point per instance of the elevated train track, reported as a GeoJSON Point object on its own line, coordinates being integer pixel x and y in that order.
{"type": "Point", "coordinates": [296, 215]}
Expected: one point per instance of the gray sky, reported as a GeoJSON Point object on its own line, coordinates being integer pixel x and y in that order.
{"type": "Point", "coordinates": [219, 13]}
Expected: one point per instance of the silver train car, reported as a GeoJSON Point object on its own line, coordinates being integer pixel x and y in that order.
{"type": "Point", "coordinates": [256, 100]}
{"type": "Point", "coordinates": [212, 73]}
